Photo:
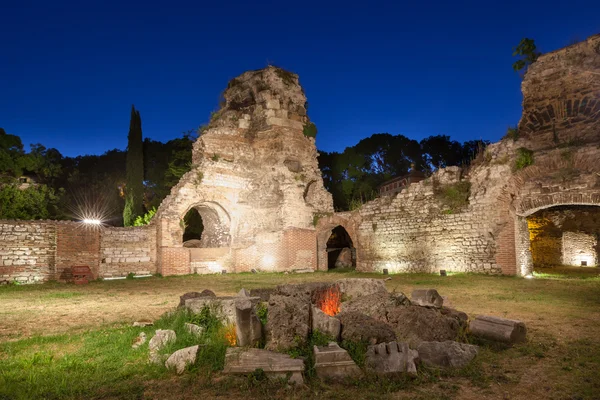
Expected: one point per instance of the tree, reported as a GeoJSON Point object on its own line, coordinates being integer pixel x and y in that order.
{"type": "Point", "coordinates": [528, 54]}
{"type": "Point", "coordinates": [35, 202]}
{"type": "Point", "coordinates": [134, 187]}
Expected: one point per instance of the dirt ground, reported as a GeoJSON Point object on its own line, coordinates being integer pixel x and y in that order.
{"type": "Point", "coordinates": [560, 308]}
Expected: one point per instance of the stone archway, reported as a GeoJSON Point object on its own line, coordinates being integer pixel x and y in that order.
{"type": "Point", "coordinates": [530, 206]}
{"type": "Point", "coordinates": [325, 227]}
{"type": "Point", "coordinates": [216, 225]}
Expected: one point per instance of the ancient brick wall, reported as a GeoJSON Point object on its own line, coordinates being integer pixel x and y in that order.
{"type": "Point", "coordinates": [27, 251]}
{"type": "Point", "coordinates": [128, 250]}
{"type": "Point", "coordinates": [76, 244]}
{"type": "Point", "coordinates": [174, 261]}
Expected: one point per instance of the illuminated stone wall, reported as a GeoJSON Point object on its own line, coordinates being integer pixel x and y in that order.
{"type": "Point", "coordinates": [255, 181]}
{"type": "Point", "coordinates": [578, 247]}
{"type": "Point", "coordinates": [27, 251]}
{"type": "Point", "coordinates": [560, 124]}
{"type": "Point", "coordinates": [128, 250]}
{"type": "Point", "coordinates": [37, 251]}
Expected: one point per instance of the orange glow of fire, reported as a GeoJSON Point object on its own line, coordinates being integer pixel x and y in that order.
{"type": "Point", "coordinates": [330, 301]}
{"type": "Point", "coordinates": [230, 335]}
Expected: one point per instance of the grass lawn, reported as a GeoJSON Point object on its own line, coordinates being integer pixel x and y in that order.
{"type": "Point", "coordinates": [65, 341]}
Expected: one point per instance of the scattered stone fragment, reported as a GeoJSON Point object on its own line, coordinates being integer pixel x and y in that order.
{"type": "Point", "coordinates": [243, 293]}
{"type": "Point", "coordinates": [223, 307]}
{"type": "Point", "coordinates": [194, 329]}
{"type": "Point", "coordinates": [446, 354]}
{"type": "Point", "coordinates": [357, 327]}
{"type": "Point", "coordinates": [248, 327]}
{"type": "Point", "coordinates": [390, 358]}
{"type": "Point", "coordinates": [142, 323]}
{"type": "Point", "coordinates": [499, 329]}
{"type": "Point", "coordinates": [427, 298]}
{"type": "Point", "coordinates": [275, 365]}
{"type": "Point", "coordinates": [182, 358]}
{"type": "Point", "coordinates": [161, 338]}
{"type": "Point", "coordinates": [414, 324]}
{"type": "Point", "coordinates": [325, 323]}
{"type": "Point", "coordinates": [139, 340]}
{"type": "Point", "coordinates": [195, 295]}
{"type": "Point", "coordinates": [332, 361]}
{"type": "Point", "coordinates": [288, 322]}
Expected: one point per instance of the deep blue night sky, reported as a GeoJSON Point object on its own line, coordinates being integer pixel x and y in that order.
{"type": "Point", "coordinates": [69, 72]}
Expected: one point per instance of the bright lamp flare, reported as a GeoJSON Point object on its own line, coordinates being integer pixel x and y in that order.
{"type": "Point", "coordinates": [92, 221]}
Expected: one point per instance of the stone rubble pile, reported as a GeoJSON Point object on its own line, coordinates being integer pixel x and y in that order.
{"type": "Point", "coordinates": [400, 334]}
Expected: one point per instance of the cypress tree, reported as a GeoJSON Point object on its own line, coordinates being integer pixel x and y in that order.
{"type": "Point", "coordinates": [134, 187]}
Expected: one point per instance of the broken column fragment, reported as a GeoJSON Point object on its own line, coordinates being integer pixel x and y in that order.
{"type": "Point", "coordinates": [498, 329]}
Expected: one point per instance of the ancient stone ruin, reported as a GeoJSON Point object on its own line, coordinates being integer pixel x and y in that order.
{"type": "Point", "coordinates": [254, 181]}
{"type": "Point", "coordinates": [319, 322]}
{"type": "Point", "coordinates": [257, 187]}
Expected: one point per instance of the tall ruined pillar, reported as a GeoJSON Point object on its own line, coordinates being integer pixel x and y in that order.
{"type": "Point", "coordinates": [255, 181]}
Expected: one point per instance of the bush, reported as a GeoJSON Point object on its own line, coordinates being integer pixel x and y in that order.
{"type": "Point", "coordinates": [455, 196]}
{"type": "Point", "coordinates": [524, 158]}
{"type": "Point", "coordinates": [145, 219]}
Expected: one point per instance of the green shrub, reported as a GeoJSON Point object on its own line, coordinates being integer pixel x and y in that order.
{"type": "Point", "coordinates": [524, 158]}
{"type": "Point", "coordinates": [146, 218]}
{"type": "Point", "coordinates": [310, 130]}
{"type": "Point", "coordinates": [356, 350]}
{"type": "Point", "coordinates": [454, 196]}
{"type": "Point", "coordinates": [262, 311]}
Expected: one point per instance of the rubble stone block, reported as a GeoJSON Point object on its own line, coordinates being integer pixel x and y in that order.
{"type": "Point", "coordinates": [332, 361]}
{"type": "Point", "coordinates": [427, 298]}
{"type": "Point", "coordinates": [325, 323]}
{"type": "Point", "coordinates": [194, 295]}
{"type": "Point", "coordinates": [357, 327]}
{"type": "Point", "coordinates": [275, 365]}
{"type": "Point", "coordinates": [223, 307]}
{"type": "Point", "coordinates": [288, 321]}
{"type": "Point", "coordinates": [353, 288]}
{"type": "Point", "coordinates": [446, 354]}
{"type": "Point", "coordinates": [247, 325]}
{"type": "Point", "coordinates": [390, 358]}
{"type": "Point", "coordinates": [194, 329]}
{"type": "Point", "coordinates": [182, 358]}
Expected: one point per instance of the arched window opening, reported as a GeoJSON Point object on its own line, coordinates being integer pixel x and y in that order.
{"type": "Point", "coordinates": [341, 253]}
{"type": "Point", "coordinates": [194, 227]}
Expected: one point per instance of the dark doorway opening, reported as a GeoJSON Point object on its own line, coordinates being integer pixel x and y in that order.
{"type": "Point", "coordinates": [341, 253]}
{"type": "Point", "coordinates": [193, 226]}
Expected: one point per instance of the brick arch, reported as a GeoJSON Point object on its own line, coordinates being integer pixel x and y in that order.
{"type": "Point", "coordinates": [324, 227]}
{"type": "Point", "coordinates": [216, 221]}
{"type": "Point", "coordinates": [524, 194]}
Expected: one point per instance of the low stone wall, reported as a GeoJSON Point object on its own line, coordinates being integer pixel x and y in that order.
{"type": "Point", "coordinates": [27, 251]}
{"type": "Point", "coordinates": [128, 250]}
{"type": "Point", "coordinates": [37, 251]}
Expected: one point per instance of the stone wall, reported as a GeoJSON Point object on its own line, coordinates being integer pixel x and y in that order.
{"type": "Point", "coordinates": [128, 250]}
{"type": "Point", "coordinates": [37, 251]}
{"type": "Point", "coordinates": [27, 251]}
{"type": "Point", "coordinates": [578, 247]}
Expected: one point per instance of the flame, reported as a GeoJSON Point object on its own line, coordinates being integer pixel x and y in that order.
{"type": "Point", "coordinates": [330, 300]}
{"type": "Point", "coordinates": [230, 335]}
